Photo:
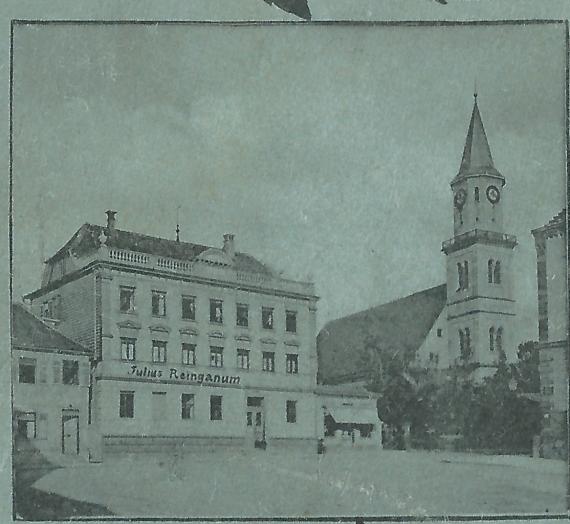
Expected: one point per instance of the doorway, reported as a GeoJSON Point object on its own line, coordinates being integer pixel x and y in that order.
{"type": "Point", "coordinates": [70, 432]}
{"type": "Point", "coordinates": [255, 421]}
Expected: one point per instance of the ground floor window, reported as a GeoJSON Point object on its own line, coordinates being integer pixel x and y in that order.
{"type": "Point", "coordinates": [127, 404]}
{"type": "Point", "coordinates": [215, 407]}
{"type": "Point", "coordinates": [187, 406]}
{"type": "Point", "coordinates": [291, 411]}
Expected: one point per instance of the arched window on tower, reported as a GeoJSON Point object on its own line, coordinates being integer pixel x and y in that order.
{"type": "Point", "coordinates": [459, 276]}
{"type": "Point", "coordinates": [467, 344]}
{"type": "Point", "coordinates": [465, 275]}
{"type": "Point", "coordinates": [490, 271]}
{"type": "Point", "coordinates": [499, 340]}
{"type": "Point", "coordinates": [497, 272]}
{"type": "Point", "coordinates": [492, 339]}
{"type": "Point", "coordinates": [476, 194]}
{"type": "Point", "coordinates": [461, 342]}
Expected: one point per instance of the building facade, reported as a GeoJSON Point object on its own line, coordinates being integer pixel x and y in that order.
{"type": "Point", "coordinates": [551, 246]}
{"type": "Point", "coordinates": [190, 344]}
{"type": "Point", "coordinates": [50, 377]}
{"type": "Point", "coordinates": [479, 257]}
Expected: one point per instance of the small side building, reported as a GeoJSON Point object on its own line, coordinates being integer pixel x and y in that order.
{"type": "Point", "coordinates": [50, 393]}
{"type": "Point", "coordinates": [551, 244]}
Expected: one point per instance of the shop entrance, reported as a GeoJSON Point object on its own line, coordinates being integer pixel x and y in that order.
{"type": "Point", "coordinates": [255, 420]}
{"type": "Point", "coordinates": [70, 432]}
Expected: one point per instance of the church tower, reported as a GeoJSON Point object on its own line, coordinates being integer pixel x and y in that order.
{"type": "Point", "coordinates": [480, 303]}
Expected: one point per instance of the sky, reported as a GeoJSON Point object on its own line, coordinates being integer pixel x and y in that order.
{"type": "Point", "coordinates": [326, 150]}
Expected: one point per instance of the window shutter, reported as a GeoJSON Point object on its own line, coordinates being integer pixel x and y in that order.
{"type": "Point", "coordinates": [84, 374]}
{"type": "Point", "coordinates": [57, 371]}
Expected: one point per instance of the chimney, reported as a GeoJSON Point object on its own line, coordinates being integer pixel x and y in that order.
{"type": "Point", "coordinates": [229, 248]}
{"type": "Point", "coordinates": [111, 221]}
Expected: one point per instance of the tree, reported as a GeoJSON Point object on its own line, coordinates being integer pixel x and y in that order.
{"type": "Point", "coordinates": [528, 376]}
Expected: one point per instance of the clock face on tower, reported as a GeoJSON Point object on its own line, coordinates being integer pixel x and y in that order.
{"type": "Point", "coordinates": [459, 198]}
{"type": "Point", "coordinates": [493, 194]}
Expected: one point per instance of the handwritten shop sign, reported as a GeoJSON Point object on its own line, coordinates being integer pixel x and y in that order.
{"type": "Point", "coordinates": [182, 376]}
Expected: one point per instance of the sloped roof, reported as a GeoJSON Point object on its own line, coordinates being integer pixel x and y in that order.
{"type": "Point", "coordinates": [398, 329]}
{"type": "Point", "coordinates": [555, 224]}
{"type": "Point", "coordinates": [353, 389]}
{"type": "Point", "coordinates": [87, 239]}
{"type": "Point", "coordinates": [477, 158]}
{"type": "Point", "coordinates": [29, 332]}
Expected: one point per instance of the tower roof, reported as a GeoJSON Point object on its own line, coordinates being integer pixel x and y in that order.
{"type": "Point", "coordinates": [477, 158]}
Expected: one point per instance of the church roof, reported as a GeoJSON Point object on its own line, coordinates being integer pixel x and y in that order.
{"type": "Point", "coordinates": [398, 328]}
{"type": "Point", "coordinates": [29, 332]}
{"type": "Point", "coordinates": [477, 158]}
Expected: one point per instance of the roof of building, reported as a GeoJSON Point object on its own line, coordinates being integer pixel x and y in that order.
{"type": "Point", "coordinates": [397, 329]}
{"type": "Point", "coordinates": [87, 238]}
{"type": "Point", "coordinates": [353, 389]}
{"type": "Point", "coordinates": [30, 332]}
{"type": "Point", "coordinates": [558, 223]}
{"type": "Point", "coordinates": [477, 158]}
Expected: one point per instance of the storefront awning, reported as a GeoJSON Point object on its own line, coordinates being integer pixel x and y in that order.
{"type": "Point", "coordinates": [352, 415]}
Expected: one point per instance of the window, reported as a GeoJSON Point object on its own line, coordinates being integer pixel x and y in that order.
{"type": "Point", "coordinates": [439, 332]}
{"type": "Point", "coordinates": [465, 343]}
{"type": "Point", "coordinates": [249, 419]}
{"type": "Point", "coordinates": [292, 363]}
{"type": "Point", "coordinates": [216, 311]}
{"type": "Point", "coordinates": [188, 308]}
{"type": "Point", "coordinates": [459, 276]}
{"type": "Point", "coordinates": [267, 317]}
{"type": "Point", "coordinates": [127, 404]}
{"type": "Point", "coordinates": [128, 348]}
{"type": "Point", "coordinates": [159, 304]}
{"type": "Point", "coordinates": [158, 351]}
{"type": "Point", "coordinates": [291, 410]}
{"type": "Point", "coordinates": [291, 321]}
{"type": "Point", "coordinates": [242, 312]}
{"type": "Point", "coordinates": [499, 340]}
{"type": "Point", "coordinates": [70, 372]}
{"type": "Point", "coordinates": [215, 407]}
{"type": "Point", "coordinates": [476, 194]}
{"type": "Point", "coordinates": [491, 339]}
{"type": "Point", "coordinates": [497, 272]}
{"type": "Point", "coordinates": [465, 275]}
{"type": "Point", "coordinates": [268, 361]}
{"type": "Point", "coordinates": [51, 308]}
{"type": "Point", "coordinates": [127, 299]}
{"type": "Point", "coordinates": [188, 354]}
{"type": "Point", "coordinates": [243, 358]}
{"type": "Point", "coordinates": [490, 271]}
{"type": "Point", "coordinates": [216, 357]}
{"type": "Point", "coordinates": [27, 371]}
{"type": "Point", "coordinates": [187, 406]}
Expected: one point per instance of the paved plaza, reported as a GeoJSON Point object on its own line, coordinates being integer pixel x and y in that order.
{"type": "Point", "coordinates": [341, 482]}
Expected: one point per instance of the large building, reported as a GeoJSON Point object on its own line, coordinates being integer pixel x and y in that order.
{"type": "Point", "coordinates": [551, 246]}
{"type": "Point", "coordinates": [190, 344]}
{"type": "Point", "coordinates": [465, 323]}
{"type": "Point", "coordinates": [50, 377]}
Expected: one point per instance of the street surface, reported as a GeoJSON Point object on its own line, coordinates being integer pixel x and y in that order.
{"type": "Point", "coordinates": [341, 482]}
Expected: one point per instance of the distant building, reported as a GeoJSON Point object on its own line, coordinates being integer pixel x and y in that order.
{"type": "Point", "coordinates": [191, 345]}
{"type": "Point", "coordinates": [467, 322]}
{"type": "Point", "coordinates": [551, 245]}
{"type": "Point", "coordinates": [50, 377]}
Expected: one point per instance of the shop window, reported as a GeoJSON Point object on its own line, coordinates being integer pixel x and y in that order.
{"type": "Point", "coordinates": [127, 299]}
{"type": "Point", "coordinates": [158, 351]}
{"type": "Point", "coordinates": [70, 374]}
{"type": "Point", "coordinates": [128, 348]}
{"type": "Point", "coordinates": [292, 363]}
{"type": "Point", "coordinates": [291, 321]}
{"type": "Point", "coordinates": [158, 304]}
{"type": "Point", "coordinates": [187, 406]}
{"type": "Point", "coordinates": [242, 315]}
{"type": "Point", "coordinates": [216, 357]}
{"type": "Point", "coordinates": [267, 317]}
{"type": "Point", "coordinates": [188, 354]}
{"type": "Point", "coordinates": [188, 308]}
{"type": "Point", "coordinates": [27, 370]}
{"type": "Point", "coordinates": [127, 404]}
{"type": "Point", "coordinates": [291, 411]}
{"type": "Point", "coordinates": [243, 359]}
{"type": "Point", "coordinates": [216, 311]}
{"type": "Point", "coordinates": [268, 361]}
{"type": "Point", "coordinates": [215, 407]}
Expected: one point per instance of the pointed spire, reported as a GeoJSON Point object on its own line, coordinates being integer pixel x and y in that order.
{"type": "Point", "coordinates": [477, 157]}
